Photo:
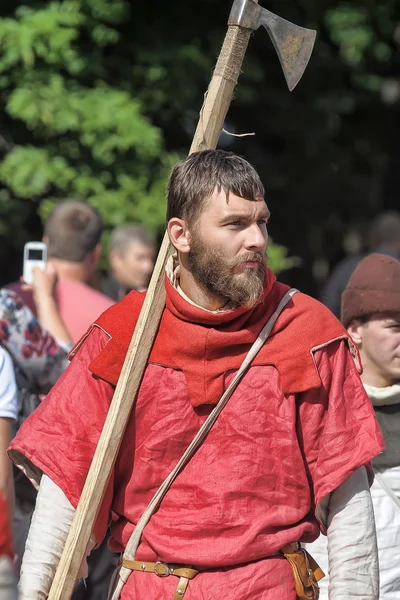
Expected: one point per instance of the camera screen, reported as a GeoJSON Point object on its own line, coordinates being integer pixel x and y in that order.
{"type": "Point", "coordinates": [34, 254]}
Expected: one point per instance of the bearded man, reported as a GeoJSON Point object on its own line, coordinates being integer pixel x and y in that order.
{"type": "Point", "coordinates": [289, 453]}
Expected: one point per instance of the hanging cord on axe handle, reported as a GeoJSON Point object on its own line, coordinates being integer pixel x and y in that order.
{"type": "Point", "coordinates": [223, 129]}
{"type": "Point", "coordinates": [236, 40]}
{"type": "Point", "coordinates": [220, 91]}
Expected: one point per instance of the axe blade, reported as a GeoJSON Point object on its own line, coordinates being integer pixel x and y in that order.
{"type": "Point", "coordinates": [293, 44]}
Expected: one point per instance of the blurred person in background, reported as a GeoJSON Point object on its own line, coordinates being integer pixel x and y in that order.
{"type": "Point", "coordinates": [35, 352]}
{"type": "Point", "coordinates": [72, 233]}
{"type": "Point", "coordinates": [371, 314]}
{"type": "Point", "coordinates": [39, 359]}
{"type": "Point", "coordinates": [384, 238]}
{"type": "Point", "coordinates": [132, 256]}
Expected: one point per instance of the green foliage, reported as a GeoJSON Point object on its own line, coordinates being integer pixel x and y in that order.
{"type": "Point", "coordinates": [80, 136]}
{"type": "Point", "coordinates": [99, 97]}
{"type": "Point", "coordinates": [351, 31]}
{"type": "Point", "coordinates": [279, 259]}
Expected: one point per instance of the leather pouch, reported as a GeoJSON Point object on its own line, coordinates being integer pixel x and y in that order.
{"type": "Point", "coordinates": [306, 574]}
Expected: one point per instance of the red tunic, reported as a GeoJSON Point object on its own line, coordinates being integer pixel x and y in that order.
{"type": "Point", "coordinates": [252, 487]}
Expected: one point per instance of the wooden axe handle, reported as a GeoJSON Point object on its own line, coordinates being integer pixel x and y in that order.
{"type": "Point", "coordinates": [212, 116]}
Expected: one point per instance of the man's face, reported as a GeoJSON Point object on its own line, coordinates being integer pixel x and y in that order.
{"type": "Point", "coordinates": [228, 246]}
{"type": "Point", "coordinates": [380, 349]}
{"type": "Point", "coordinates": [133, 268]}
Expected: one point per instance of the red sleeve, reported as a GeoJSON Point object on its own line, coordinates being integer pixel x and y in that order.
{"type": "Point", "coordinates": [60, 437]}
{"type": "Point", "coordinates": [337, 428]}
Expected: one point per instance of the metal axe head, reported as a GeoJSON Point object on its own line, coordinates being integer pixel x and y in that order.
{"type": "Point", "coordinates": [292, 43]}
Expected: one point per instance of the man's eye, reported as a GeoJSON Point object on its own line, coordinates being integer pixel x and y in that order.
{"type": "Point", "coordinates": [262, 222]}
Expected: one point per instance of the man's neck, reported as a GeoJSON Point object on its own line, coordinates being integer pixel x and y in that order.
{"type": "Point", "coordinates": [374, 378]}
{"type": "Point", "coordinates": [197, 293]}
{"type": "Point", "coordinates": [70, 271]}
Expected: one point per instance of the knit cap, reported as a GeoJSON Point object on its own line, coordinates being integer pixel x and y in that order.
{"type": "Point", "coordinates": [373, 288]}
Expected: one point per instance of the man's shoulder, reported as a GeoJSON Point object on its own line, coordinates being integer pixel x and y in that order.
{"type": "Point", "coordinates": [307, 307]}
{"type": "Point", "coordinates": [122, 316]}
{"type": "Point", "coordinates": [79, 305]}
{"type": "Point", "coordinates": [316, 323]}
{"type": "Point", "coordinates": [305, 312]}
{"type": "Point", "coordinates": [304, 326]}
{"type": "Point", "coordinates": [67, 288]}
{"type": "Point", "coordinates": [117, 321]}
{"type": "Point", "coordinates": [115, 327]}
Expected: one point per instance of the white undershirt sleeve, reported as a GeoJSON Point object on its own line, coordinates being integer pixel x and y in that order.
{"type": "Point", "coordinates": [8, 388]}
{"type": "Point", "coordinates": [49, 529]}
{"type": "Point", "coordinates": [352, 547]}
{"type": "Point", "coordinates": [353, 557]}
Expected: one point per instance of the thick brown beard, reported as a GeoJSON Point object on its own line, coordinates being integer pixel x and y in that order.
{"type": "Point", "coordinates": [216, 273]}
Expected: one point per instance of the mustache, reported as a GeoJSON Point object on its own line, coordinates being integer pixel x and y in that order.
{"type": "Point", "coordinates": [250, 257]}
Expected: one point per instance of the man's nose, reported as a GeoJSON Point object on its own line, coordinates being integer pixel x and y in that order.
{"type": "Point", "coordinates": [256, 238]}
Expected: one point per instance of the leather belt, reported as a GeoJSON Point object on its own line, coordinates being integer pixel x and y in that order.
{"type": "Point", "coordinates": [306, 571]}
{"type": "Point", "coordinates": [163, 570]}
{"type": "Point", "coordinates": [295, 547]}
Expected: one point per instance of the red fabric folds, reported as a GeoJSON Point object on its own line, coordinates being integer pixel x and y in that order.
{"type": "Point", "coordinates": [61, 436]}
{"type": "Point", "coordinates": [252, 486]}
{"type": "Point", "coordinates": [248, 490]}
{"type": "Point", "coordinates": [207, 345]}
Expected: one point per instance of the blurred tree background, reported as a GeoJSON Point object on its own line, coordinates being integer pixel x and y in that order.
{"type": "Point", "coordinates": [99, 97]}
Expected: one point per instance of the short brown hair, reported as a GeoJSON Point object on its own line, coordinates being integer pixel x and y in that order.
{"type": "Point", "coordinates": [193, 181]}
{"type": "Point", "coordinates": [73, 229]}
{"type": "Point", "coordinates": [124, 235]}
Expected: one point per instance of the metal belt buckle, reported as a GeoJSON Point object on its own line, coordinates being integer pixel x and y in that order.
{"type": "Point", "coordinates": [166, 568]}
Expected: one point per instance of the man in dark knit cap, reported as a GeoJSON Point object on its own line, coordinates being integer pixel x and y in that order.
{"type": "Point", "coordinates": [371, 315]}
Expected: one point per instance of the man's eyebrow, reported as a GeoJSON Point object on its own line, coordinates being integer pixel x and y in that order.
{"type": "Point", "coordinates": [244, 217]}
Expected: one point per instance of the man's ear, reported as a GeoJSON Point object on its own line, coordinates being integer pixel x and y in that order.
{"type": "Point", "coordinates": [179, 235]}
{"type": "Point", "coordinates": [114, 258]}
{"type": "Point", "coordinates": [96, 254]}
{"type": "Point", "coordinates": [355, 330]}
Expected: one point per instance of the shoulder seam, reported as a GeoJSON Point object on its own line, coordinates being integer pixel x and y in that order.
{"type": "Point", "coordinates": [78, 344]}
